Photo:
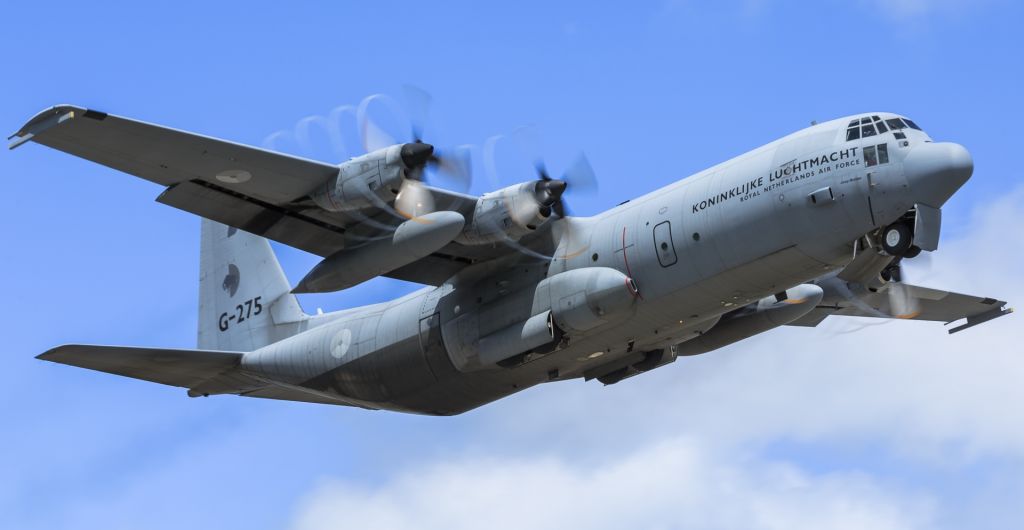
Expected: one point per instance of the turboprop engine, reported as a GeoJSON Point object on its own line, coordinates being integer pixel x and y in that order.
{"type": "Point", "coordinates": [747, 321]}
{"type": "Point", "coordinates": [513, 212]}
{"type": "Point", "coordinates": [371, 179]}
{"type": "Point", "coordinates": [566, 304]}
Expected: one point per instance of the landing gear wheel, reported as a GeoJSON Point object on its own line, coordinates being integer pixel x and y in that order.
{"type": "Point", "coordinates": [912, 252]}
{"type": "Point", "coordinates": [896, 239]}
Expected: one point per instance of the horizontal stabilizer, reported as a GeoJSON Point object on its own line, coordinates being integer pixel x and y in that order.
{"type": "Point", "coordinates": [184, 368]}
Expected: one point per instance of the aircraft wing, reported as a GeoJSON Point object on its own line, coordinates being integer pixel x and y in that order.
{"type": "Point", "coordinates": [188, 166]}
{"type": "Point", "coordinates": [928, 304]}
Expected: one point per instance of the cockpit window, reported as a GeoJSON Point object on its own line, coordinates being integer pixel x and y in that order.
{"type": "Point", "coordinates": [870, 126]}
{"type": "Point", "coordinates": [896, 124]}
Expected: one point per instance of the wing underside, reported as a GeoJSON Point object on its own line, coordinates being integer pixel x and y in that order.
{"type": "Point", "coordinates": [200, 175]}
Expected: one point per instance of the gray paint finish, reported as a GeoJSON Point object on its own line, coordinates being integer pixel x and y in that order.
{"type": "Point", "coordinates": [786, 234]}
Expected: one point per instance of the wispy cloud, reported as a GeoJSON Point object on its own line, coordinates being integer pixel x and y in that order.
{"type": "Point", "coordinates": [675, 483]}
{"type": "Point", "coordinates": [915, 8]}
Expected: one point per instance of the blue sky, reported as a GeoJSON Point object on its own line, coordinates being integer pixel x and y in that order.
{"type": "Point", "coordinates": [894, 426]}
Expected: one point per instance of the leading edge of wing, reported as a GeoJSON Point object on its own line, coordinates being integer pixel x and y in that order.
{"type": "Point", "coordinates": [168, 156]}
{"type": "Point", "coordinates": [57, 114]}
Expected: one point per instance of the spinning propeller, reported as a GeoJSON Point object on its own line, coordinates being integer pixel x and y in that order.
{"type": "Point", "coordinates": [579, 176]}
{"type": "Point", "coordinates": [547, 195]}
{"type": "Point", "coordinates": [902, 302]}
{"type": "Point", "coordinates": [414, 199]}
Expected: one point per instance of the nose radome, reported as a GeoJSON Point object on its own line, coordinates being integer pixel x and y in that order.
{"type": "Point", "coordinates": [960, 160]}
{"type": "Point", "coordinates": [936, 171]}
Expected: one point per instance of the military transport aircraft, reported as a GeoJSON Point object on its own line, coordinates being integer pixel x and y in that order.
{"type": "Point", "coordinates": [517, 292]}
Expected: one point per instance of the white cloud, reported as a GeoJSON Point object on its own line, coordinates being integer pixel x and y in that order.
{"type": "Point", "coordinates": [676, 483]}
{"type": "Point", "coordinates": [908, 385]}
{"type": "Point", "coordinates": [690, 444]}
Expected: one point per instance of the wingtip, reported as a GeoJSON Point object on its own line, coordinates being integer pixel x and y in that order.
{"type": "Point", "coordinates": [45, 119]}
{"type": "Point", "coordinates": [54, 354]}
{"type": "Point", "coordinates": [51, 354]}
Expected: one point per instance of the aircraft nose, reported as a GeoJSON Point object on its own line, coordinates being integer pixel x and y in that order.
{"type": "Point", "coordinates": [936, 170]}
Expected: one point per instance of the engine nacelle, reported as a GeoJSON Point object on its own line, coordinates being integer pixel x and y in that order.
{"type": "Point", "coordinates": [370, 179]}
{"type": "Point", "coordinates": [511, 213]}
{"type": "Point", "coordinates": [583, 299]}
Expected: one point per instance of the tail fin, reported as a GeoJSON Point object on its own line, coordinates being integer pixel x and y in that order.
{"type": "Point", "coordinates": [244, 298]}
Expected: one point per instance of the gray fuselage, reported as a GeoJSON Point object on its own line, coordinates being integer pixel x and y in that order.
{"type": "Point", "coordinates": [765, 221]}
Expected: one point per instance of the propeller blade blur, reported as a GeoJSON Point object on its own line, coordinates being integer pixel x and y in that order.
{"type": "Point", "coordinates": [372, 135]}
{"type": "Point", "coordinates": [902, 303]}
{"type": "Point", "coordinates": [454, 166]}
{"type": "Point", "coordinates": [580, 176]}
{"type": "Point", "coordinates": [418, 101]}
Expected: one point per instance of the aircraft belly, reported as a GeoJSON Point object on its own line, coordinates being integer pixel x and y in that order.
{"type": "Point", "coordinates": [389, 357]}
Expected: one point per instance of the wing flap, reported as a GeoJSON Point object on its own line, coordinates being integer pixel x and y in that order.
{"type": "Point", "coordinates": [184, 368]}
{"type": "Point", "coordinates": [256, 217]}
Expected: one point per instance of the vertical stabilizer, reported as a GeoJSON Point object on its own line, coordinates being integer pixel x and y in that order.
{"type": "Point", "coordinates": [244, 297]}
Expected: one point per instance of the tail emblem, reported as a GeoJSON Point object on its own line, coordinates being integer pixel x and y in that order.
{"type": "Point", "coordinates": [230, 283]}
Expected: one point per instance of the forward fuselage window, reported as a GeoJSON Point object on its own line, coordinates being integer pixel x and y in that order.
{"type": "Point", "coordinates": [876, 154]}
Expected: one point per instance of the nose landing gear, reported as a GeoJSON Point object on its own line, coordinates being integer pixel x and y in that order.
{"type": "Point", "coordinates": [917, 230]}
{"type": "Point", "coordinates": [898, 240]}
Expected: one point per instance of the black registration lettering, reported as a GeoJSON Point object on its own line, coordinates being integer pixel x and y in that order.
{"type": "Point", "coordinates": [242, 312]}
